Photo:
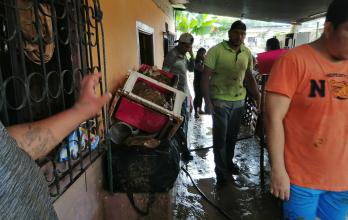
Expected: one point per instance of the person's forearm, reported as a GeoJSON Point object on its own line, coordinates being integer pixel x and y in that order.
{"type": "Point", "coordinates": [275, 140]}
{"type": "Point", "coordinates": [252, 87]}
{"type": "Point", "coordinates": [277, 106]}
{"type": "Point", "coordinates": [39, 138]}
{"type": "Point", "coordinates": [191, 54]}
{"type": "Point", "coordinates": [205, 89]}
{"type": "Point", "coordinates": [191, 64]}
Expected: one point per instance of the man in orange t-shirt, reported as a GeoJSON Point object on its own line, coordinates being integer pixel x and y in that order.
{"type": "Point", "coordinates": [306, 114]}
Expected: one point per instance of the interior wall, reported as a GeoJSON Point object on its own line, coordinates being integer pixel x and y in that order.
{"type": "Point", "coordinates": [119, 22]}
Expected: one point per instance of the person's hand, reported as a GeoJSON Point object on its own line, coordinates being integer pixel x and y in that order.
{"type": "Point", "coordinates": [209, 109]}
{"type": "Point", "coordinates": [89, 103]}
{"type": "Point", "coordinates": [280, 184]}
{"type": "Point", "coordinates": [191, 53]}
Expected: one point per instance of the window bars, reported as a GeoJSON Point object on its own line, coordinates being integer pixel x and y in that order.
{"type": "Point", "coordinates": [46, 46]}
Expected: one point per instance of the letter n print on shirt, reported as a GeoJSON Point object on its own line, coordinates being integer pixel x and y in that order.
{"type": "Point", "coordinates": [317, 88]}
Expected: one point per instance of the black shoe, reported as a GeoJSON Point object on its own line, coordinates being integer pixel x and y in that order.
{"type": "Point", "coordinates": [196, 115]}
{"type": "Point", "coordinates": [186, 156]}
{"type": "Point", "coordinates": [234, 169]}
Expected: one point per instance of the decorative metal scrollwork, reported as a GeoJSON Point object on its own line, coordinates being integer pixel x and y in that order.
{"type": "Point", "coordinates": [46, 47]}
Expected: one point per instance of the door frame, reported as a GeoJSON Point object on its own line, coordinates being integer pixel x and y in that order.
{"type": "Point", "coordinates": [145, 29]}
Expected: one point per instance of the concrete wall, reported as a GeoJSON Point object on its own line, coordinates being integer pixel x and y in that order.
{"type": "Point", "coordinates": [165, 6]}
{"type": "Point", "coordinates": [86, 199]}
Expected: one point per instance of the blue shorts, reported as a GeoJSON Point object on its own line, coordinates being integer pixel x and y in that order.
{"type": "Point", "coordinates": [307, 204]}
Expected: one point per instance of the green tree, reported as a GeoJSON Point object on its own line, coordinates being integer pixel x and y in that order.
{"type": "Point", "coordinates": [202, 24]}
{"type": "Point", "coordinates": [198, 24]}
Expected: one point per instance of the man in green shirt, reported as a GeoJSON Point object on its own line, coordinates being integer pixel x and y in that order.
{"type": "Point", "coordinates": [227, 68]}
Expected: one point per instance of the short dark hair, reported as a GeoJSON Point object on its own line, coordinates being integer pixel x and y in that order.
{"type": "Point", "coordinates": [273, 44]}
{"type": "Point", "coordinates": [201, 50]}
{"type": "Point", "coordinates": [337, 12]}
{"type": "Point", "coordinates": [238, 25]}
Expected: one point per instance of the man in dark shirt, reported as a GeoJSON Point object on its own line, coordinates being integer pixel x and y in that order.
{"type": "Point", "coordinates": [176, 62]}
{"type": "Point", "coordinates": [198, 71]}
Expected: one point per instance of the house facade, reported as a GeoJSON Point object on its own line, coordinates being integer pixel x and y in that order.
{"type": "Point", "coordinates": [45, 48]}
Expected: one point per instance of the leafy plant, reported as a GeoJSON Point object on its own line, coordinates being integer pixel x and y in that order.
{"type": "Point", "coordinates": [198, 24]}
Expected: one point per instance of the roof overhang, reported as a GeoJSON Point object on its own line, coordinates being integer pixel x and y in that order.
{"type": "Point", "coordinates": [287, 11]}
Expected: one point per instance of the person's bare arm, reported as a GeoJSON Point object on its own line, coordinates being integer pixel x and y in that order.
{"type": "Point", "coordinates": [251, 86]}
{"type": "Point", "coordinates": [276, 108]}
{"type": "Point", "coordinates": [40, 137]}
{"type": "Point", "coordinates": [191, 62]}
{"type": "Point", "coordinates": [206, 90]}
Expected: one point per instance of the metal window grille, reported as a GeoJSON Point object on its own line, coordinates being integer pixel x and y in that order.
{"type": "Point", "coordinates": [46, 46]}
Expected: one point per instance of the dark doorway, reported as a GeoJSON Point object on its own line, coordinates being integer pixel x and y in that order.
{"type": "Point", "coordinates": [146, 48]}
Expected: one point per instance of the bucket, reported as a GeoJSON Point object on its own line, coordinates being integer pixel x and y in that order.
{"type": "Point", "coordinates": [120, 131]}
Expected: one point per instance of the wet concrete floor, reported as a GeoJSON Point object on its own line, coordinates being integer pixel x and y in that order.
{"type": "Point", "coordinates": [245, 196]}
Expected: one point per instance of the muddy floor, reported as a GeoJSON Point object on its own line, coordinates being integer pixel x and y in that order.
{"type": "Point", "coordinates": [245, 196]}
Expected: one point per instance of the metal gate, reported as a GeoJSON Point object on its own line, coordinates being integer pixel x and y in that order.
{"type": "Point", "coordinates": [46, 46]}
